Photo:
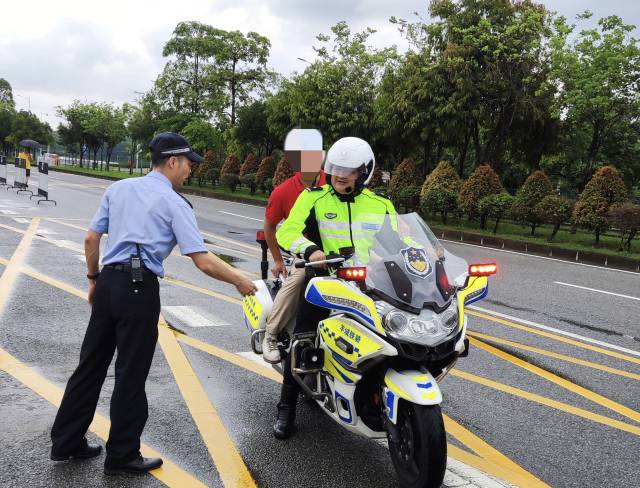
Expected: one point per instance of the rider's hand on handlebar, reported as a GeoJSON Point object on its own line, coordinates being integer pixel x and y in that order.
{"type": "Point", "coordinates": [318, 256]}
{"type": "Point", "coordinates": [279, 268]}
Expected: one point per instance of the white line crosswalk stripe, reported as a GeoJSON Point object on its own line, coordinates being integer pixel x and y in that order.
{"type": "Point", "coordinates": [191, 317]}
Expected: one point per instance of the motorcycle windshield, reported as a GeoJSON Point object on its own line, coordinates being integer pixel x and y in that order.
{"type": "Point", "coordinates": [405, 261]}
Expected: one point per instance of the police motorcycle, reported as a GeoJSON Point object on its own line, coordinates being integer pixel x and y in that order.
{"type": "Point", "coordinates": [396, 327]}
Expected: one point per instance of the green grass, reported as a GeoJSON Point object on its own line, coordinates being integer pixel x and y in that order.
{"type": "Point", "coordinates": [580, 241]}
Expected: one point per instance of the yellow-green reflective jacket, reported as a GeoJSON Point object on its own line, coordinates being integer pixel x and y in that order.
{"type": "Point", "coordinates": [333, 223]}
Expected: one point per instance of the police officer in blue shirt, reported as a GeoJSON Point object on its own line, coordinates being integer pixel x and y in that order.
{"type": "Point", "coordinates": [144, 218]}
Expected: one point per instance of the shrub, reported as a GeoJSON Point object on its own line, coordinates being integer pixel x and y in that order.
{"type": "Point", "coordinates": [443, 176]}
{"type": "Point", "coordinates": [409, 197]}
{"type": "Point", "coordinates": [626, 218]}
{"type": "Point", "coordinates": [535, 188]}
{"type": "Point", "coordinates": [495, 206]}
{"type": "Point", "coordinates": [605, 189]}
{"type": "Point", "coordinates": [376, 179]}
{"type": "Point", "coordinates": [439, 199]}
{"type": "Point", "coordinates": [265, 172]}
{"type": "Point", "coordinates": [483, 182]}
{"type": "Point", "coordinates": [231, 166]}
{"type": "Point", "coordinates": [267, 185]}
{"type": "Point", "coordinates": [249, 180]}
{"type": "Point", "coordinates": [230, 180]}
{"type": "Point", "coordinates": [283, 172]}
{"type": "Point", "coordinates": [404, 175]}
{"type": "Point", "coordinates": [554, 210]}
{"type": "Point", "coordinates": [250, 165]}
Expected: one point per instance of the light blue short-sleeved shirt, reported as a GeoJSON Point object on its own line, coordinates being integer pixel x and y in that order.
{"type": "Point", "coordinates": [146, 211]}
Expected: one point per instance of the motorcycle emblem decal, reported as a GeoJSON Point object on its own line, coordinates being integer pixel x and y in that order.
{"type": "Point", "coordinates": [416, 261]}
{"type": "Point", "coordinates": [330, 215]}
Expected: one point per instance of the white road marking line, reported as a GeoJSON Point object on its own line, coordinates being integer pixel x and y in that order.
{"type": "Point", "coordinates": [72, 245]}
{"type": "Point", "coordinates": [190, 317]}
{"type": "Point", "coordinates": [8, 212]}
{"type": "Point", "coordinates": [238, 215]}
{"type": "Point", "coordinates": [21, 220]}
{"type": "Point", "coordinates": [80, 257]}
{"type": "Point", "coordinates": [596, 290]}
{"type": "Point", "coordinates": [541, 257]}
{"type": "Point", "coordinates": [44, 230]}
{"type": "Point", "coordinates": [557, 331]}
{"type": "Point", "coordinates": [255, 358]}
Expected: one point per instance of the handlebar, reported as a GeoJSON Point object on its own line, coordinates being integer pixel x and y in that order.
{"type": "Point", "coordinates": [305, 264]}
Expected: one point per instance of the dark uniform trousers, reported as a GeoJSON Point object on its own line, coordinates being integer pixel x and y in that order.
{"type": "Point", "coordinates": [123, 319]}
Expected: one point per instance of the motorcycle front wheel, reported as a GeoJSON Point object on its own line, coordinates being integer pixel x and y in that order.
{"type": "Point", "coordinates": [419, 454]}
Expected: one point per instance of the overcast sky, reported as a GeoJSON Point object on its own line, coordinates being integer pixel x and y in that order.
{"type": "Point", "coordinates": [53, 52]}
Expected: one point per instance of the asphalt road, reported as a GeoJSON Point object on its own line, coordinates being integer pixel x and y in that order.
{"type": "Point", "coordinates": [548, 395]}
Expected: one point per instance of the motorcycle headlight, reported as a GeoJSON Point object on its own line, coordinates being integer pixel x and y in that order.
{"type": "Point", "coordinates": [428, 328]}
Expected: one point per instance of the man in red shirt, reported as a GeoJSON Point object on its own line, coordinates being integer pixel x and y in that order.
{"type": "Point", "coordinates": [303, 151]}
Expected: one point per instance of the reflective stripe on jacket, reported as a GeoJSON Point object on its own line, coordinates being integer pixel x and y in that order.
{"type": "Point", "coordinates": [338, 223]}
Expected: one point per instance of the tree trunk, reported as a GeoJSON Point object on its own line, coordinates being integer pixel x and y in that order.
{"type": "Point", "coordinates": [483, 221]}
{"type": "Point", "coordinates": [444, 217]}
{"type": "Point", "coordinates": [495, 228]}
{"type": "Point", "coordinates": [476, 143]}
{"type": "Point", "coordinates": [597, 237]}
{"type": "Point", "coordinates": [632, 235]}
{"type": "Point", "coordinates": [555, 230]}
{"type": "Point", "coordinates": [233, 94]}
{"type": "Point", "coordinates": [533, 228]}
{"type": "Point", "coordinates": [463, 154]}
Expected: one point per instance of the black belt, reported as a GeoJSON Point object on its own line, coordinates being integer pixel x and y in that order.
{"type": "Point", "coordinates": [126, 268]}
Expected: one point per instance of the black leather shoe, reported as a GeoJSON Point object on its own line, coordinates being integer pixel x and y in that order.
{"type": "Point", "coordinates": [85, 452]}
{"type": "Point", "coordinates": [139, 465]}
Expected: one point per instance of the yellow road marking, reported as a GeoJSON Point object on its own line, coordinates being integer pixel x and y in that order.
{"type": "Point", "coordinates": [222, 449]}
{"type": "Point", "coordinates": [8, 278]}
{"type": "Point", "coordinates": [543, 333]}
{"type": "Point", "coordinates": [544, 352]}
{"type": "Point", "coordinates": [230, 357]}
{"type": "Point", "coordinates": [495, 462]}
{"type": "Point", "coordinates": [568, 385]}
{"type": "Point", "coordinates": [230, 241]}
{"type": "Point", "coordinates": [170, 473]}
{"type": "Point", "coordinates": [563, 407]}
{"type": "Point", "coordinates": [211, 293]}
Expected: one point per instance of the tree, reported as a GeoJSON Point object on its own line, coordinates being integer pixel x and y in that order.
{"type": "Point", "coordinates": [265, 172]}
{"type": "Point", "coordinates": [250, 165]}
{"type": "Point", "coordinates": [202, 135]}
{"type": "Point", "coordinates": [253, 130]}
{"type": "Point", "coordinates": [603, 190]}
{"type": "Point", "coordinates": [231, 165]}
{"type": "Point", "coordinates": [406, 174]}
{"type": "Point", "coordinates": [626, 218]}
{"type": "Point", "coordinates": [336, 93]}
{"type": "Point", "coordinates": [140, 125]}
{"type": "Point", "coordinates": [535, 188]}
{"type": "Point", "coordinates": [475, 74]}
{"type": "Point", "coordinates": [283, 172]}
{"type": "Point", "coordinates": [483, 182]}
{"type": "Point", "coordinates": [495, 206]}
{"type": "Point", "coordinates": [554, 210]}
{"type": "Point", "coordinates": [444, 176]}
{"type": "Point", "coordinates": [439, 199]}
{"type": "Point", "coordinates": [6, 96]}
{"type": "Point", "coordinates": [600, 78]}
{"type": "Point", "coordinates": [25, 125]}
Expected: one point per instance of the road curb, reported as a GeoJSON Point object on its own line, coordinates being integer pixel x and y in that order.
{"type": "Point", "coordinates": [536, 249]}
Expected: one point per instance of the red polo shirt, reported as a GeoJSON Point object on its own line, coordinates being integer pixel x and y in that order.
{"type": "Point", "coordinates": [284, 196]}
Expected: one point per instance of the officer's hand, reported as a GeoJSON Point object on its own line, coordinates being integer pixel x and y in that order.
{"type": "Point", "coordinates": [318, 256]}
{"type": "Point", "coordinates": [279, 268]}
{"type": "Point", "coordinates": [92, 291]}
{"type": "Point", "coordinates": [245, 286]}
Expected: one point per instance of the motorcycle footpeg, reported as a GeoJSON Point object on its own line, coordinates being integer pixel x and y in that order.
{"type": "Point", "coordinates": [256, 340]}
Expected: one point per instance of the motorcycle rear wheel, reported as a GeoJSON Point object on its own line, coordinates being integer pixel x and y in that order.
{"type": "Point", "coordinates": [420, 453]}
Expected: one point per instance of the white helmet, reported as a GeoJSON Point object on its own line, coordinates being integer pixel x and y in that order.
{"type": "Point", "coordinates": [348, 154]}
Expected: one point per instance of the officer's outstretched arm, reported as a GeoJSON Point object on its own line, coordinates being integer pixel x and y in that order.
{"type": "Point", "coordinates": [213, 266]}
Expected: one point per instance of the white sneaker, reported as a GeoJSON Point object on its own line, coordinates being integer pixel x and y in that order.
{"type": "Point", "coordinates": [270, 351]}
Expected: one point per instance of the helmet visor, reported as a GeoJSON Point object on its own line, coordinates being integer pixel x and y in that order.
{"type": "Point", "coordinates": [342, 171]}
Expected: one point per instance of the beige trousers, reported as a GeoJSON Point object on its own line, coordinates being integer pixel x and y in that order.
{"type": "Point", "coordinates": [285, 306]}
